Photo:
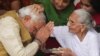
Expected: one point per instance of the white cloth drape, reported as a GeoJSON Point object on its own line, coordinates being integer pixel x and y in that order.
{"type": "Point", "coordinates": [88, 47]}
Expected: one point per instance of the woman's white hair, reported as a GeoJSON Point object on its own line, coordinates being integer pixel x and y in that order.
{"type": "Point", "coordinates": [85, 18]}
{"type": "Point", "coordinates": [28, 11]}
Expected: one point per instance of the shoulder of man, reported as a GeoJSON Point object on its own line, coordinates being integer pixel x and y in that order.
{"type": "Point", "coordinates": [12, 13]}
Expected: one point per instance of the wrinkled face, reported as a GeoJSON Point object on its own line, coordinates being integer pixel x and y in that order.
{"type": "Point", "coordinates": [74, 24]}
{"type": "Point", "coordinates": [86, 5]}
{"type": "Point", "coordinates": [60, 4]}
{"type": "Point", "coordinates": [32, 26]}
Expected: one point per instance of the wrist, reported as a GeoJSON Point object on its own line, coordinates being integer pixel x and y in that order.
{"type": "Point", "coordinates": [38, 41]}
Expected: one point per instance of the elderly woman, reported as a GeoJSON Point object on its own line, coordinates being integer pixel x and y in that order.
{"type": "Point", "coordinates": [15, 33]}
{"type": "Point", "coordinates": [78, 38]}
{"type": "Point", "coordinates": [93, 7]}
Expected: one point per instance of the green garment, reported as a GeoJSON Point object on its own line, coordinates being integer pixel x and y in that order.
{"type": "Point", "coordinates": [60, 18]}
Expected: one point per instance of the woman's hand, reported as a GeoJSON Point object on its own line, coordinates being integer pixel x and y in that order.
{"type": "Point", "coordinates": [63, 52]}
{"type": "Point", "coordinates": [37, 8]}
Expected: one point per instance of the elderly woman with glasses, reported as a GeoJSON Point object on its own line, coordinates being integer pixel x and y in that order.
{"type": "Point", "coordinates": [78, 38]}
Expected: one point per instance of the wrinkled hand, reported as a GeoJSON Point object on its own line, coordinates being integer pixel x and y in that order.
{"type": "Point", "coordinates": [63, 52]}
{"type": "Point", "coordinates": [45, 32]}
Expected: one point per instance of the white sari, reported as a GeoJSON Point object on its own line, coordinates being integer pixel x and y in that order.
{"type": "Point", "coordinates": [88, 47]}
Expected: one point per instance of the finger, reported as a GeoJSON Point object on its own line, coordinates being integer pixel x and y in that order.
{"type": "Point", "coordinates": [47, 25]}
{"type": "Point", "coordinates": [36, 5]}
{"type": "Point", "coordinates": [37, 12]}
{"type": "Point", "coordinates": [35, 8]}
{"type": "Point", "coordinates": [41, 9]}
{"type": "Point", "coordinates": [50, 26]}
{"type": "Point", "coordinates": [57, 51]}
{"type": "Point", "coordinates": [67, 49]}
{"type": "Point", "coordinates": [61, 49]}
{"type": "Point", "coordinates": [38, 9]}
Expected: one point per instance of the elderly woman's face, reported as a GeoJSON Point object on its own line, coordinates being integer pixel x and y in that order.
{"type": "Point", "coordinates": [60, 4]}
{"type": "Point", "coordinates": [74, 24]}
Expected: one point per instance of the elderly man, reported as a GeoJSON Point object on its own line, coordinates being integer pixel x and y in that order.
{"type": "Point", "coordinates": [78, 38]}
{"type": "Point", "coordinates": [15, 33]}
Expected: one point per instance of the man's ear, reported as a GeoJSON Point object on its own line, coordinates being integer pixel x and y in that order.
{"type": "Point", "coordinates": [27, 18]}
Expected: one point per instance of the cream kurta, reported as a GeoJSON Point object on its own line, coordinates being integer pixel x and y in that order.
{"type": "Point", "coordinates": [11, 39]}
{"type": "Point", "coordinates": [88, 47]}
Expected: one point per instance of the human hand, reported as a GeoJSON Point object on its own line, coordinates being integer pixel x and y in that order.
{"type": "Point", "coordinates": [37, 8]}
{"type": "Point", "coordinates": [45, 32]}
{"type": "Point", "coordinates": [63, 52]}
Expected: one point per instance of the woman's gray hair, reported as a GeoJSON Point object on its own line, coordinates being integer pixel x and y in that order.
{"type": "Point", "coordinates": [28, 11]}
{"type": "Point", "coordinates": [85, 18]}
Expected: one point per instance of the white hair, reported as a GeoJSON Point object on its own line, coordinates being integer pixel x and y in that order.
{"type": "Point", "coordinates": [28, 11]}
{"type": "Point", "coordinates": [85, 18]}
